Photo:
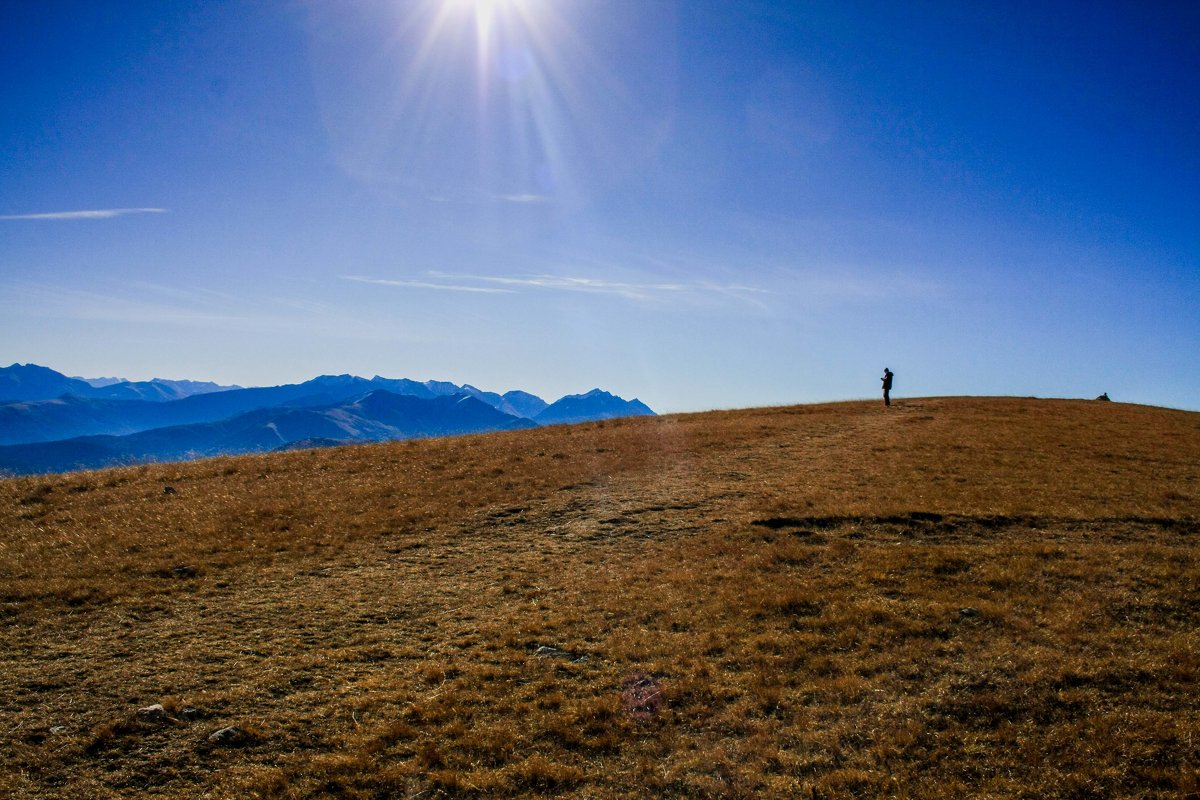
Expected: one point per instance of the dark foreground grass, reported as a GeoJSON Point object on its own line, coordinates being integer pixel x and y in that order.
{"type": "Point", "coordinates": [959, 597]}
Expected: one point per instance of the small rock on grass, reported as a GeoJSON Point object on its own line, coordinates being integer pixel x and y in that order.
{"type": "Point", "coordinates": [546, 651]}
{"type": "Point", "coordinates": [153, 713]}
{"type": "Point", "coordinates": [232, 735]}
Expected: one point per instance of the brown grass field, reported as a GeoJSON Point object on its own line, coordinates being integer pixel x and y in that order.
{"type": "Point", "coordinates": [954, 597]}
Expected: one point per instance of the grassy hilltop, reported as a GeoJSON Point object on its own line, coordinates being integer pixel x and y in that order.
{"type": "Point", "coordinates": [988, 597]}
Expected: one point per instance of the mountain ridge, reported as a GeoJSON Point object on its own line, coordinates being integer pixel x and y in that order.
{"type": "Point", "coordinates": [88, 428]}
{"type": "Point", "coordinates": [378, 415]}
{"type": "Point", "coordinates": [34, 382]}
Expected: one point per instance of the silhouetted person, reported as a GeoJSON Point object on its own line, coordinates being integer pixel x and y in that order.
{"type": "Point", "coordinates": [887, 386]}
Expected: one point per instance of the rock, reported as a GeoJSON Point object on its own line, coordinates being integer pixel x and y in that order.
{"type": "Point", "coordinates": [190, 714]}
{"type": "Point", "coordinates": [57, 729]}
{"type": "Point", "coordinates": [184, 571]}
{"type": "Point", "coordinates": [228, 736]}
{"type": "Point", "coordinates": [168, 490]}
{"type": "Point", "coordinates": [546, 651]}
{"type": "Point", "coordinates": [154, 713]}
{"type": "Point", "coordinates": [968, 612]}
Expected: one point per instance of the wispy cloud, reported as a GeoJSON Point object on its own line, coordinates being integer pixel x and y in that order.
{"type": "Point", "coordinates": [523, 198]}
{"type": "Point", "coordinates": [100, 213]}
{"type": "Point", "coordinates": [445, 287]}
{"type": "Point", "coordinates": [628, 289]}
{"type": "Point", "coordinates": [477, 197]}
{"type": "Point", "coordinates": [646, 291]}
{"type": "Point", "coordinates": [571, 284]}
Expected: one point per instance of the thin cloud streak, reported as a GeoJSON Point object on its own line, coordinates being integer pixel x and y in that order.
{"type": "Point", "coordinates": [102, 213]}
{"type": "Point", "coordinates": [514, 284]}
{"type": "Point", "coordinates": [576, 284]}
{"type": "Point", "coordinates": [425, 285]}
{"type": "Point", "coordinates": [524, 198]}
{"type": "Point", "coordinates": [638, 291]}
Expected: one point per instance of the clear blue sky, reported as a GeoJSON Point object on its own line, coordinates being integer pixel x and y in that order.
{"type": "Point", "coordinates": [702, 203]}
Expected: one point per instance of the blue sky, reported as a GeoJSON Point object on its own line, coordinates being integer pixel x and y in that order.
{"type": "Point", "coordinates": [704, 204]}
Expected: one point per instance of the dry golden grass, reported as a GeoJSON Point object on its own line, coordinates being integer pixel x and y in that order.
{"type": "Point", "coordinates": [952, 597]}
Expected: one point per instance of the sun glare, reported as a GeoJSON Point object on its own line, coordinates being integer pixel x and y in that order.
{"type": "Point", "coordinates": [498, 103]}
{"type": "Point", "coordinates": [487, 11]}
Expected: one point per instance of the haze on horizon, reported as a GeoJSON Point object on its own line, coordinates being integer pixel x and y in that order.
{"type": "Point", "coordinates": [702, 204]}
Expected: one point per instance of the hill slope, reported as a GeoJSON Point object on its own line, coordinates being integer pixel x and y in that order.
{"type": "Point", "coordinates": [952, 597]}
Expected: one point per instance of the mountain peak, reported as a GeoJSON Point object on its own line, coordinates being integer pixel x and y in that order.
{"type": "Point", "coordinates": [34, 382]}
{"type": "Point", "coordinates": [594, 405]}
{"type": "Point", "coordinates": [344, 379]}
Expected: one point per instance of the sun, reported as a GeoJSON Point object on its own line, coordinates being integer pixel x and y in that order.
{"type": "Point", "coordinates": [488, 13]}
{"type": "Point", "coordinates": [487, 9]}
{"type": "Point", "coordinates": [483, 6]}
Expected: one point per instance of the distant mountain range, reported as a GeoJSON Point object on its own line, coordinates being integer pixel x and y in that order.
{"type": "Point", "coordinates": [52, 423]}
{"type": "Point", "coordinates": [31, 382]}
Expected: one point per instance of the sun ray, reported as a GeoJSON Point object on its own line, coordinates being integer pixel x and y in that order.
{"type": "Point", "coordinates": [482, 100]}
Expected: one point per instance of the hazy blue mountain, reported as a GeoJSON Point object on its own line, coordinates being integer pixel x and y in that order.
{"type": "Point", "coordinates": [31, 382]}
{"type": "Point", "coordinates": [216, 406]}
{"type": "Point", "coordinates": [594, 405]}
{"type": "Point", "coordinates": [65, 423]}
{"type": "Point", "coordinates": [443, 387]}
{"type": "Point", "coordinates": [100, 383]}
{"type": "Point", "coordinates": [404, 386]}
{"type": "Point", "coordinates": [21, 382]}
{"type": "Point", "coordinates": [89, 452]}
{"type": "Point", "coordinates": [157, 390]}
{"type": "Point", "coordinates": [525, 404]}
{"type": "Point", "coordinates": [447, 415]}
{"type": "Point", "coordinates": [376, 416]}
{"type": "Point", "coordinates": [69, 416]}
{"type": "Point", "coordinates": [494, 400]}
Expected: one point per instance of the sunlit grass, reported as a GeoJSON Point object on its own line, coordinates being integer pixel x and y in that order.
{"type": "Point", "coordinates": [955, 597]}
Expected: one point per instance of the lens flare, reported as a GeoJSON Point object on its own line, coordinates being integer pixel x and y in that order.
{"type": "Point", "coordinates": [514, 102]}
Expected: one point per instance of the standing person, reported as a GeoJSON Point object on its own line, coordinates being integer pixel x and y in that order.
{"type": "Point", "coordinates": [887, 386]}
